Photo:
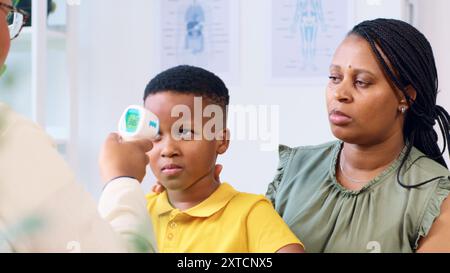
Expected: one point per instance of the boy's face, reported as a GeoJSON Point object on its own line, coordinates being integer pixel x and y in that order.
{"type": "Point", "coordinates": [177, 160]}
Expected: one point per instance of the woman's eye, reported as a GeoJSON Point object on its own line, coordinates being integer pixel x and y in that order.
{"type": "Point", "coordinates": [361, 84]}
{"type": "Point", "coordinates": [334, 79]}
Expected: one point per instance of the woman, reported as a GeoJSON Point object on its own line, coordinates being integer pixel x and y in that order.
{"type": "Point", "coordinates": [383, 187]}
{"type": "Point", "coordinates": [42, 208]}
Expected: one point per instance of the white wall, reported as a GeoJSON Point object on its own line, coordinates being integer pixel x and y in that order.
{"type": "Point", "coordinates": [116, 64]}
{"type": "Point", "coordinates": [117, 60]}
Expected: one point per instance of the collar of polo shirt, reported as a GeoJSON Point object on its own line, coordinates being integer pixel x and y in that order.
{"type": "Point", "coordinates": [218, 200]}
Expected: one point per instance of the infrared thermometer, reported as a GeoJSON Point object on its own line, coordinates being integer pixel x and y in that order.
{"type": "Point", "coordinates": [138, 123]}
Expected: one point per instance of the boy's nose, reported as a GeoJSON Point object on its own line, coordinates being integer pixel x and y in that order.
{"type": "Point", "coordinates": [170, 149]}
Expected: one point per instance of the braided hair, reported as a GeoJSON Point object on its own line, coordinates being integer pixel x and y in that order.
{"type": "Point", "coordinates": [410, 63]}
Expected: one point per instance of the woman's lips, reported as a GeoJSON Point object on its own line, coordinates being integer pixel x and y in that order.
{"type": "Point", "coordinates": [171, 169]}
{"type": "Point", "coordinates": [339, 118]}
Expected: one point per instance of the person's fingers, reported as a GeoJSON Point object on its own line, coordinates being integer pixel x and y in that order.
{"type": "Point", "coordinates": [145, 144]}
{"type": "Point", "coordinates": [146, 159]}
{"type": "Point", "coordinates": [155, 189]}
{"type": "Point", "coordinates": [158, 188]}
{"type": "Point", "coordinates": [217, 172]}
{"type": "Point", "coordinates": [113, 138]}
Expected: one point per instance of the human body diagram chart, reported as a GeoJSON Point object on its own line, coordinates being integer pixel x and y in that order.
{"type": "Point", "coordinates": [202, 33]}
{"type": "Point", "coordinates": [305, 34]}
{"type": "Point", "coordinates": [195, 20]}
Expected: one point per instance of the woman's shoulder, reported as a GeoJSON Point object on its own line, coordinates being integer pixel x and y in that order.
{"type": "Point", "coordinates": [429, 198]}
{"type": "Point", "coordinates": [295, 164]}
{"type": "Point", "coordinates": [310, 153]}
{"type": "Point", "coordinates": [425, 166]}
{"type": "Point", "coordinates": [312, 148]}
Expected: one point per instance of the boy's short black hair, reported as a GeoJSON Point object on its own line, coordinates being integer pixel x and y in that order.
{"type": "Point", "coordinates": [190, 80]}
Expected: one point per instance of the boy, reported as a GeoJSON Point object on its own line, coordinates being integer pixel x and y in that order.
{"type": "Point", "coordinates": [196, 213]}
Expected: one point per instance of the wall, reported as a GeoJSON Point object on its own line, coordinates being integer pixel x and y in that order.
{"type": "Point", "coordinates": [117, 60]}
{"type": "Point", "coordinates": [433, 21]}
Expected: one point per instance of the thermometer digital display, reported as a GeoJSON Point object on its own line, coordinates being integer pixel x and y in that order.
{"type": "Point", "coordinates": [137, 123]}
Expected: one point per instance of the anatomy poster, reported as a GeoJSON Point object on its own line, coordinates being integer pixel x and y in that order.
{"type": "Point", "coordinates": [202, 33]}
{"type": "Point", "coordinates": [305, 34]}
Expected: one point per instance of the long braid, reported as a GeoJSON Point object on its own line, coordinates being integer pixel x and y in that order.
{"type": "Point", "coordinates": [407, 59]}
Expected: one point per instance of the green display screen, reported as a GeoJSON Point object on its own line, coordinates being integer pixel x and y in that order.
{"type": "Point", "coordinates": [132, 120]}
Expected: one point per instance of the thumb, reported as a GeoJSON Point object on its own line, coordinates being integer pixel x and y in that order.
{"type": "Point", "coordinates": [113, 138]}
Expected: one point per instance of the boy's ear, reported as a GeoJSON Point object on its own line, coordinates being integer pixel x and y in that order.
{"type": "Point", "coordinates": [223, 141]}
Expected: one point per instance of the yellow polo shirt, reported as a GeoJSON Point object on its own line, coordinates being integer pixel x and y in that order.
{"type": "Point", "coordinates": [226, 222]}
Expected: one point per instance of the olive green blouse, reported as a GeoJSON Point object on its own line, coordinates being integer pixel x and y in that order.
{"type": "Point", "coordinates": [382, 217]}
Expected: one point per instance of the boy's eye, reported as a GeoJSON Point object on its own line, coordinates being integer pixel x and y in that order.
{"type": "Point", "coordinates": [157, 138]}
{"type": "Point", "coordinates": [186, 134]}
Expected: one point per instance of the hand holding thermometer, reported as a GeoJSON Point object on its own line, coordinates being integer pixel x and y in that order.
{"type": "Point", "coordinates": [138, 123]}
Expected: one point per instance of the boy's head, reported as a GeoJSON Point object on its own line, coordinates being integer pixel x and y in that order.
{"type": "Point", "coordinates": [190, 103]}
{"type": "Point", "coordinates": [185, 79]}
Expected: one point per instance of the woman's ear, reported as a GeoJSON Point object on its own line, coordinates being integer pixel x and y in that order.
{"type": "Point", "coordinates": [223, 141]}
{"type": "Point", "coordinates": [412, 94]}
{"type": "Point", "coordinates": [408, 99]}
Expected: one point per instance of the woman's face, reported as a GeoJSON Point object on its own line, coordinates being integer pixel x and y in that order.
{"type": "Point", "coordinates": [4, 33]}
{"type": "Point", "coordinates": [363, 106]}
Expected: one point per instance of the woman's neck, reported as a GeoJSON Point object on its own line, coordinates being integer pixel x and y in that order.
{"type": "Point", "coordinates": [360, 164]}
{"type": "Point", "coordinates": [198, 192]}
{"type": "Point", "coordinates": [374, 156]}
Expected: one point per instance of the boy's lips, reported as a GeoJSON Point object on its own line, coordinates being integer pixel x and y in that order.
{"type": "Point", "coordinates": [171, 169]}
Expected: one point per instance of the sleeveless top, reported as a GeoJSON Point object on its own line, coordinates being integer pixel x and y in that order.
{"type": "Point", "coordinates": [382, 217]}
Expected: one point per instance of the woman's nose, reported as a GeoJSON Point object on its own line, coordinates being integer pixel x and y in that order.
{"type": "Point", "coordinates": [342, 92]}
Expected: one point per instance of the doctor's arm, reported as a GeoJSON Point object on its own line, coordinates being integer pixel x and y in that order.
{"type": "Point", "coordinates": [123, 204]}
